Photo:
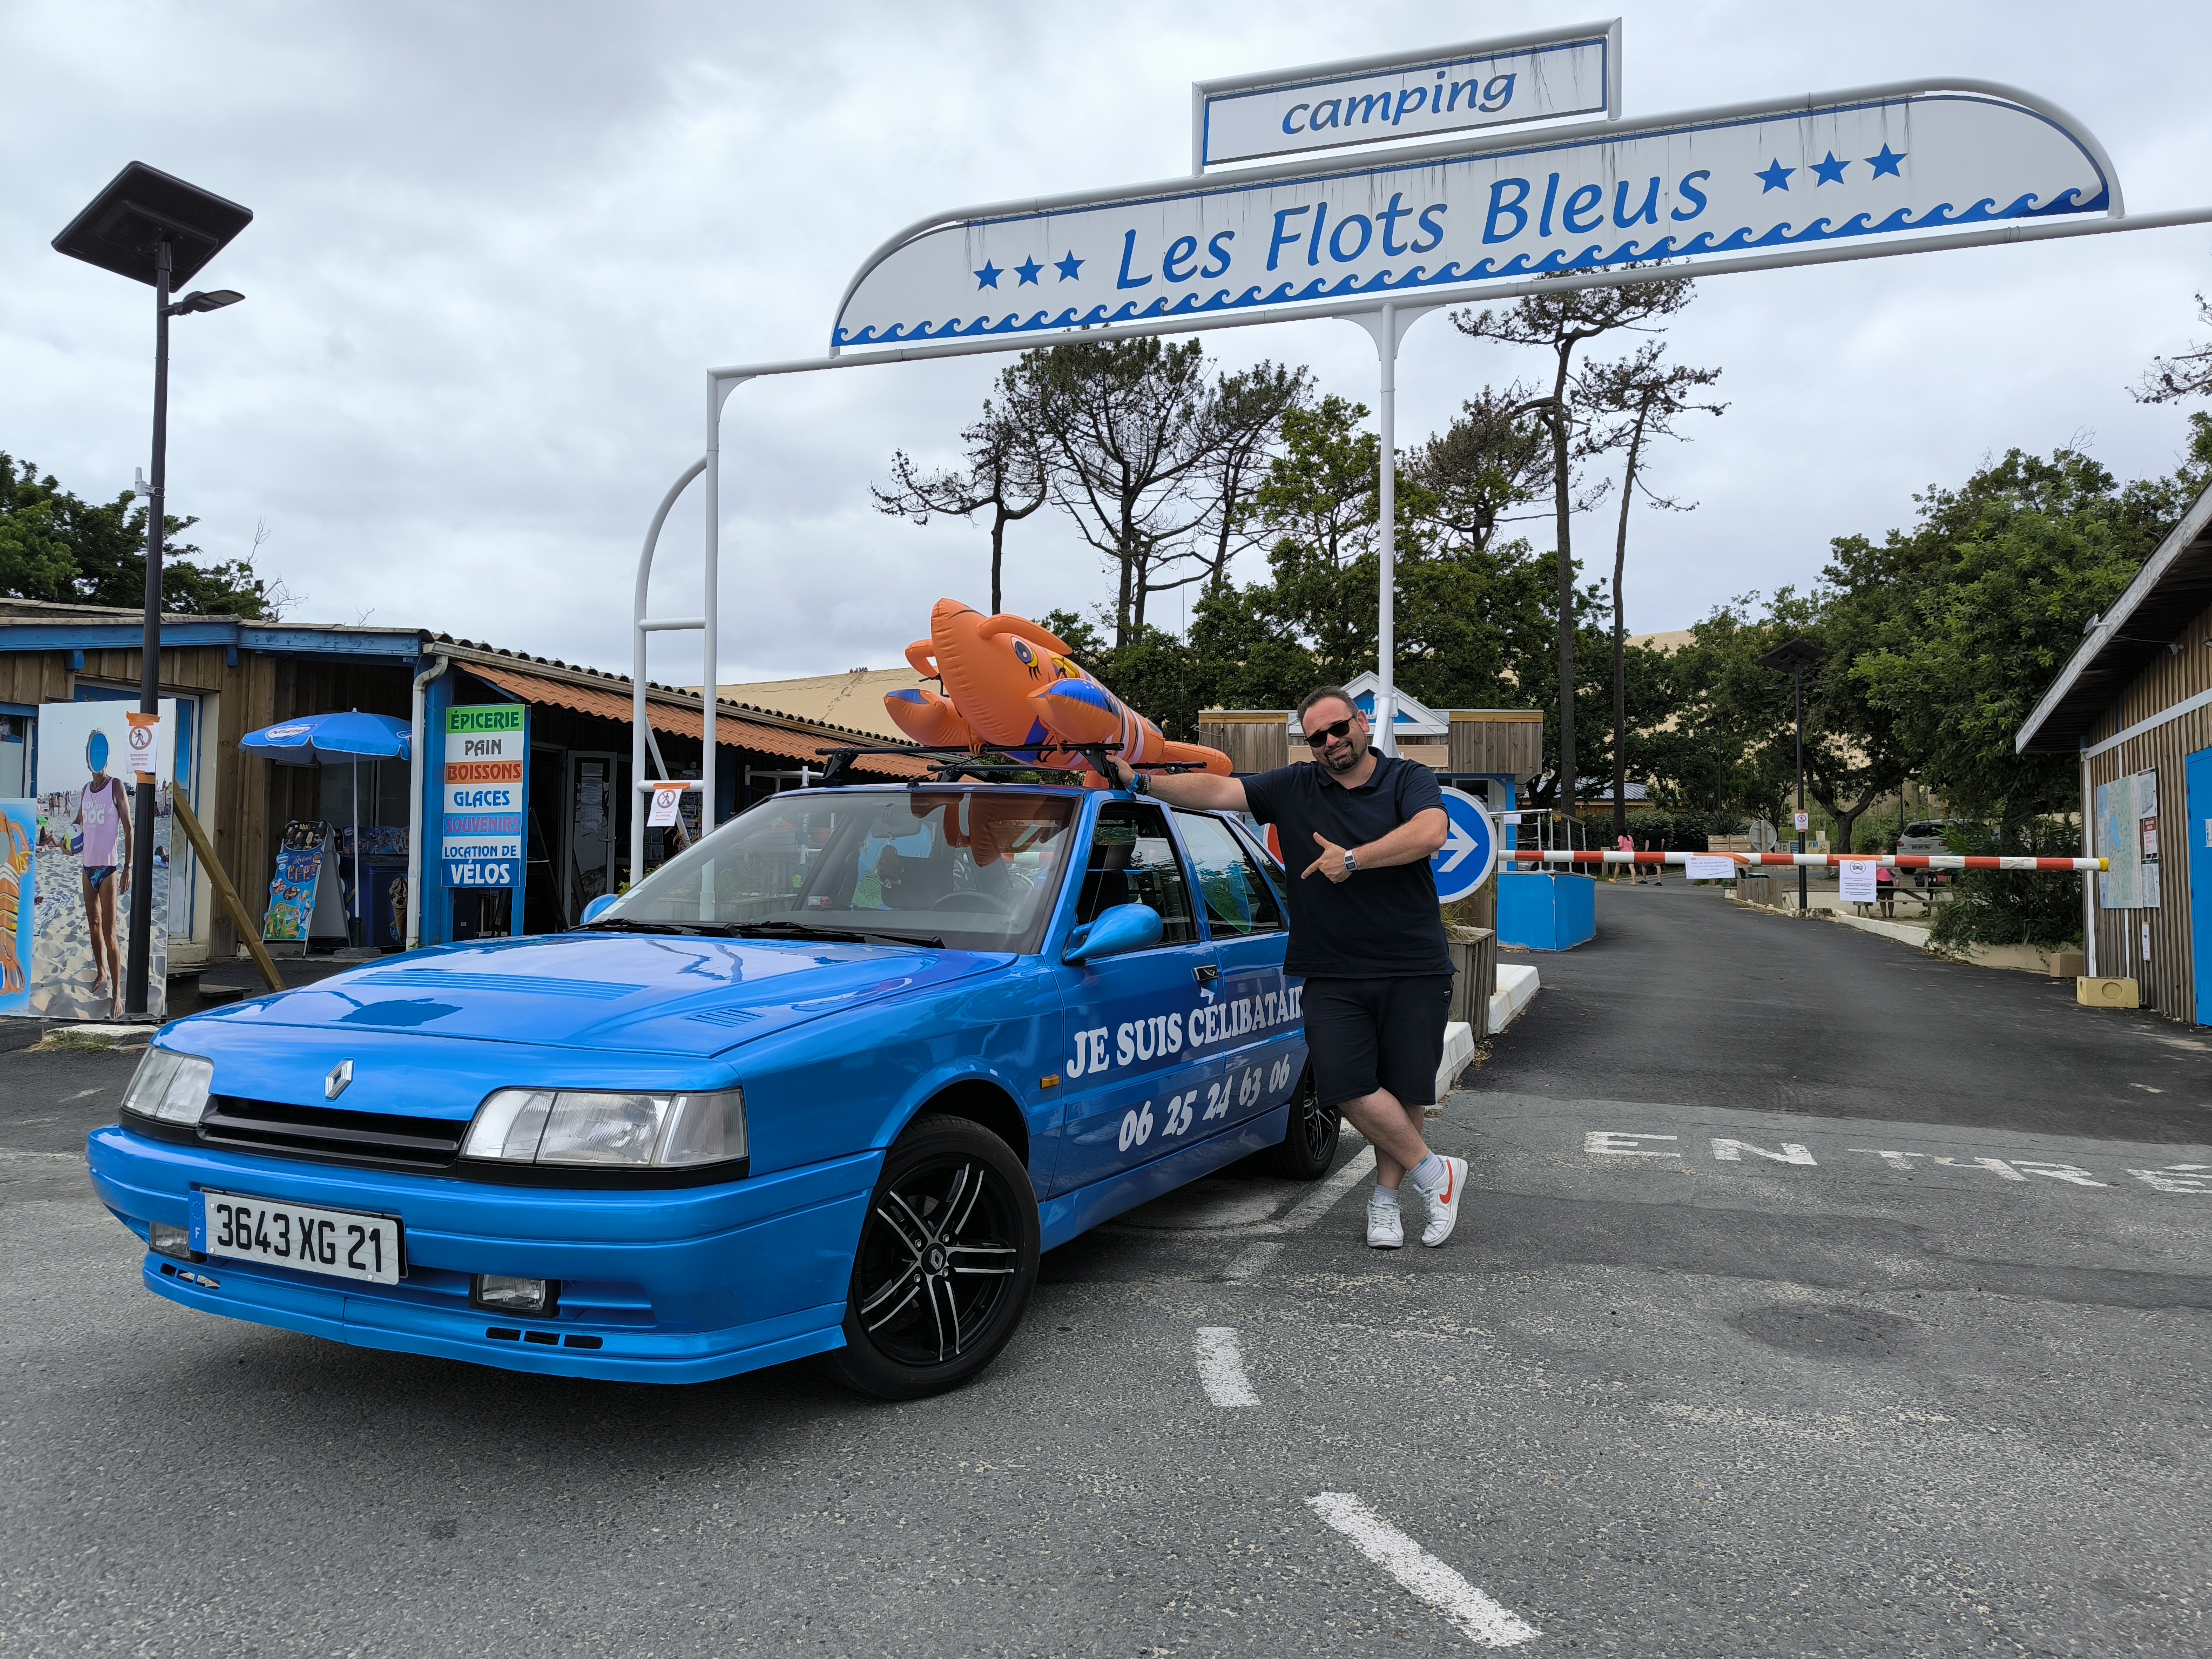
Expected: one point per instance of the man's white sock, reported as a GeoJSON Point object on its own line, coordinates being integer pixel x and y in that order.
{"type": "Point", "coordinates": [1429, 1174]}
{"type": "Point", "coordinates": [1382, 1198]}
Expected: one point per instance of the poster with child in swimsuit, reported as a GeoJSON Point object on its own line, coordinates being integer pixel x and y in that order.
{"type": "Point", "coordinates": [88, 837]}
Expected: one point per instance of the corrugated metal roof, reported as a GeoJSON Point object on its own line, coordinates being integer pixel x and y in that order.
{"type": "Point", "coordinates": [730, 731]}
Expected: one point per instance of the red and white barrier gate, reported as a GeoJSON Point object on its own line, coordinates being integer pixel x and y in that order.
{"type": "Point", "coordinates": [1813, 861]}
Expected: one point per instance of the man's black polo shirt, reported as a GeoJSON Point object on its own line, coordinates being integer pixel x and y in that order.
{"type": "Point", "coordinates": [1381, 924]}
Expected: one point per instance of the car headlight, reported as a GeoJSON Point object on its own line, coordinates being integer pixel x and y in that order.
{"type": "Point", "coordinates": [609, 1130]}
{"type": "Point", "coordinates": [169, 1087]}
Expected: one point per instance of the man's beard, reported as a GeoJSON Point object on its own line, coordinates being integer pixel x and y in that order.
{"type": "Point", "coordinates": [1352, 758]}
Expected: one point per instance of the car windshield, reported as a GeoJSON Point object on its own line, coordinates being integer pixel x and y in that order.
{"type": "Point", "coordinates": [975, 869]}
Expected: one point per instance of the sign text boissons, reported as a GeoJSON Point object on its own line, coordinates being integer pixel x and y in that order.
{"type": "Point", "coordinates": [1481, 84]}
{"type": "Point", "coordinates": [1587, 198]}
{"type": "Point", "coordinates": [486, 778]}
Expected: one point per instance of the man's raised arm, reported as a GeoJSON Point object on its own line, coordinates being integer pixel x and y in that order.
{"type": "Point", "coordinates": [1209, 791]}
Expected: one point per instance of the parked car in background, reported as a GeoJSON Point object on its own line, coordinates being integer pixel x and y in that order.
{"type": "Point", "coordinates": [1927, 835]}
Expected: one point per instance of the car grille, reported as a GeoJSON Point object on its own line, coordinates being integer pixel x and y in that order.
{"type": "Point", "coordinates": [262, 1125]}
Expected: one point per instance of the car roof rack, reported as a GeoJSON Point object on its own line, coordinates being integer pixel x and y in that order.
{"type": "Point", "coordinates": [996, 761]}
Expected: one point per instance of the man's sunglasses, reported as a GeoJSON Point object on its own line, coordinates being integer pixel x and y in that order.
{"type": "Point", "coordinates": [1321, 735]}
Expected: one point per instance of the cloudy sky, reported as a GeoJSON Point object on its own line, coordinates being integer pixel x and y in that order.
{"type": "Point", "coordinates": [494, 245]}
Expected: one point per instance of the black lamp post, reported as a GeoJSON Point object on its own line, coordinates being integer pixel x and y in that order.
{"type": "Point", "coordinates": [158, 229]}
{"type": "Point", "coordinates": [1794, 658]}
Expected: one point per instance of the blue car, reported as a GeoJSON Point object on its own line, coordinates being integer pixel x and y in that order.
{"type": "Point", "coordinates": [827, 1083]}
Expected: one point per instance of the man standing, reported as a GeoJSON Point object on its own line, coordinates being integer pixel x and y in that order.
{"type": "Point", "coordinates": [1365, 933]}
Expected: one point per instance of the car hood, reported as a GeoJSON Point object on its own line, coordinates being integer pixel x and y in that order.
{"type": "Point", "coordinates": [633, 992]}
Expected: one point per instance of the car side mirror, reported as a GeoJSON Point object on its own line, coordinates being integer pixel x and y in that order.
{"type": "Point", "coordinates": [597, 908]}
{"type": "Point", "coordinates": [1122, 928]}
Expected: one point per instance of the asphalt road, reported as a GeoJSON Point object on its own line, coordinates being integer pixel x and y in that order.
{"type": "Point", "coordinates": [1698, 1376]}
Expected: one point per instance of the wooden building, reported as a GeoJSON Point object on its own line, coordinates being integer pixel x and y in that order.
{"type": "Point", "coordinates": [229, 677]}
{"type": "Point", "coordinates": [1491, 753]}
{"type": "Point", "coordinates": [2134, 705]}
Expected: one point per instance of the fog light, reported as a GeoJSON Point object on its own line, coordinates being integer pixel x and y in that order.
{"type": "Point", "coordinates": [170, 1240]}
{"type": "Point", "coordinates": [515, 1296]}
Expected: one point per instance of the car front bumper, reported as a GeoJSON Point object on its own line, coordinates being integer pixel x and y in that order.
{"type": "Point", "coordinates": [678, 1284]}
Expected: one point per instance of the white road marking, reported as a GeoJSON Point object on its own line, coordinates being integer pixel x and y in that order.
{"type": "Point", "coordinates": [2176, 1178]}
{"type": "Point", "coordinates": [1732, 1151]}
{"type": "Point", "coordinates": [1996, 1165]}
{"type": "Point", "coordinates": [71, 1158]}
{"type": "Point", "coordinates": [1478, 1617]}
{"type": "Point", "coordinates": [1622, 1146]}
{"type": "Point", "coordinates": [1322, 1198]}
{"type": "Point", "coordinates": [1221, 1368]}
{"type": "Point", "coordinates": [1895, 1160]}
{"type": "Point", "coordinates": [2072, 1174]}
{"type": "Point", "coordinates": [1252, 1261]}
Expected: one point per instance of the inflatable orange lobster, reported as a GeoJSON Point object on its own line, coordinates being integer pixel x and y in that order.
{"type": "Point", "coordinates": [13, 864]}
{"type": "Point", "coordinates": [1010, 684]}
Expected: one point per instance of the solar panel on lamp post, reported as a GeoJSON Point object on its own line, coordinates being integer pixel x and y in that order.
{"type": "Point", "coordinates": [1793, 657]}
{"type": "Point", "coordinates": [157, 229]}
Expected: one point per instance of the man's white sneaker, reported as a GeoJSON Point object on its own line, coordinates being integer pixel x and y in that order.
{"type": "Point", "coordinates": [1444, 1203]}
{"type": "Point", "coordinates": [1385, 1231]}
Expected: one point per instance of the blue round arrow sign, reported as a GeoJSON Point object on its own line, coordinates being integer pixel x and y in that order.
{"type": "Point", "coordinates": [1469, 854]}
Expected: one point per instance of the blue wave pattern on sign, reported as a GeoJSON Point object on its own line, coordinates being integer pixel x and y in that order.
{"type": "Point", "coordinates": [1781, 234]}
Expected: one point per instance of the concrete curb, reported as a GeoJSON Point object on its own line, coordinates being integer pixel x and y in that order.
{"type": "Point", "coordinates": [1516, 985]}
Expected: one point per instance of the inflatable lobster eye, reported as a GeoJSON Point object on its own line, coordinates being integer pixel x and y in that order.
{"type": "Point", "coordinates": [1024, 656]}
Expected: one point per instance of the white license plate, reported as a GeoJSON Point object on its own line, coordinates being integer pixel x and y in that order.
{"type": "Point", "coordinates": [339, 1243]}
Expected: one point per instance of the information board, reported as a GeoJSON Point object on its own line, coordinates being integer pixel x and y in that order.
{"type": "Point", "coordinates": [486, 780]}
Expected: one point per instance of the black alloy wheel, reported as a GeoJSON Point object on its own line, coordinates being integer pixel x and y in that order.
{"type": "Point", "coordinates": [1309, 1143]}
{"type": "Point", "coordinates": [947, 1259]}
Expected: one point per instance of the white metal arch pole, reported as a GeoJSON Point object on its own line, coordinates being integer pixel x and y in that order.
{"type": "Point", "coordinates": [1387, 328]}
{"type": "Point", "coordinates": [1386, 612]}
{"type": "Point", "coordinates": [640, 625]}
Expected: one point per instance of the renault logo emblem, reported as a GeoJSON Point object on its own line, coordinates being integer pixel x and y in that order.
{"type": "Point", "coordinates": [340, 1075]}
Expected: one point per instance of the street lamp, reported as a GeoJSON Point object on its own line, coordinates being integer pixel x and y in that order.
{"type": "Point", "coordinates": [158, 229]}
{"type": "Point", "coordinates": [1795, 658]}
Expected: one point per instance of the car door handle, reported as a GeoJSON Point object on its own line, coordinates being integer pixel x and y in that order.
{"type": "Point", "coordinates": [1205, 973]}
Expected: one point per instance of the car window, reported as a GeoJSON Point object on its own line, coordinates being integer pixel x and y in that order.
{"type": "Point", "coordinates": [1238, 899]}
{"type": "Point", "coordinates": [976, 867]}
{"type": "Point", "coordinates": [1133, 862]}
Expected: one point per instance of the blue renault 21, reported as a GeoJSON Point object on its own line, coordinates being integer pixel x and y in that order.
{"type": "Point", "coordinates": [827, 1083]}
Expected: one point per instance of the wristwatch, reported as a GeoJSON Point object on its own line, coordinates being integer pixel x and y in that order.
{"type": "Point", "coordinates": [1140, 783]}
{"type": "Point", "coordinates": [1351, 861]}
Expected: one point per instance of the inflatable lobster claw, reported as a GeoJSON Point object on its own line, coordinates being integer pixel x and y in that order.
{"type": "Point", "coordinates": [17, 860]}
{"type": "Point", "coordinates": [1010, 684]}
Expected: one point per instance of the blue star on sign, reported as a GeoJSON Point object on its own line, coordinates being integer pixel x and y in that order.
{"type": "Point", "coordinates": [1027, 271]}
{"type": "Point", "coordinates": [1776, 177]}
{"type": "Point", "coordinates": [1831, 170]}
{"type": "Point", "coordinates": [1068, 267]}
{"type": "Point", "coordinates": [1885, 163]}
{"type": "Point", "coordinates": [989, 277]}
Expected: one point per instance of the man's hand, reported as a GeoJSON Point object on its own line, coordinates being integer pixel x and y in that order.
{"type": "Point", "coordinates": [1331, 861]}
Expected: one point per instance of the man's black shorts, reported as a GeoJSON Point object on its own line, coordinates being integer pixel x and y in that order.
{"type": "Point", "coordinates": [1366, 1034]}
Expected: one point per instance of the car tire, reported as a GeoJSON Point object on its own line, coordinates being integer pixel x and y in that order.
{"type": "Point", "coordinates": [946, 1259]}
{"type": "Point", "coordinates": [1309, 1143]}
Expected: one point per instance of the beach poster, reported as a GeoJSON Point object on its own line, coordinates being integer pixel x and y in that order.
{"type": "Point", "coordinates": [19, 836]}
{"type": "Point", "coordinates": [80, 885]}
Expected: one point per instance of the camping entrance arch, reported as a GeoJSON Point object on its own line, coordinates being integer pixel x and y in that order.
{"type": "Point", "coordinates": [1381, 240]}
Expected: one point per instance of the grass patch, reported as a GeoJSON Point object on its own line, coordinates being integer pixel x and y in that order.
{"type": "Point", "coordinates": [82, 1042]}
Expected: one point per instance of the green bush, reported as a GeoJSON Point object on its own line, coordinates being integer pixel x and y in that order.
{"type": "Point", "coordinates": [2012, 907]}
